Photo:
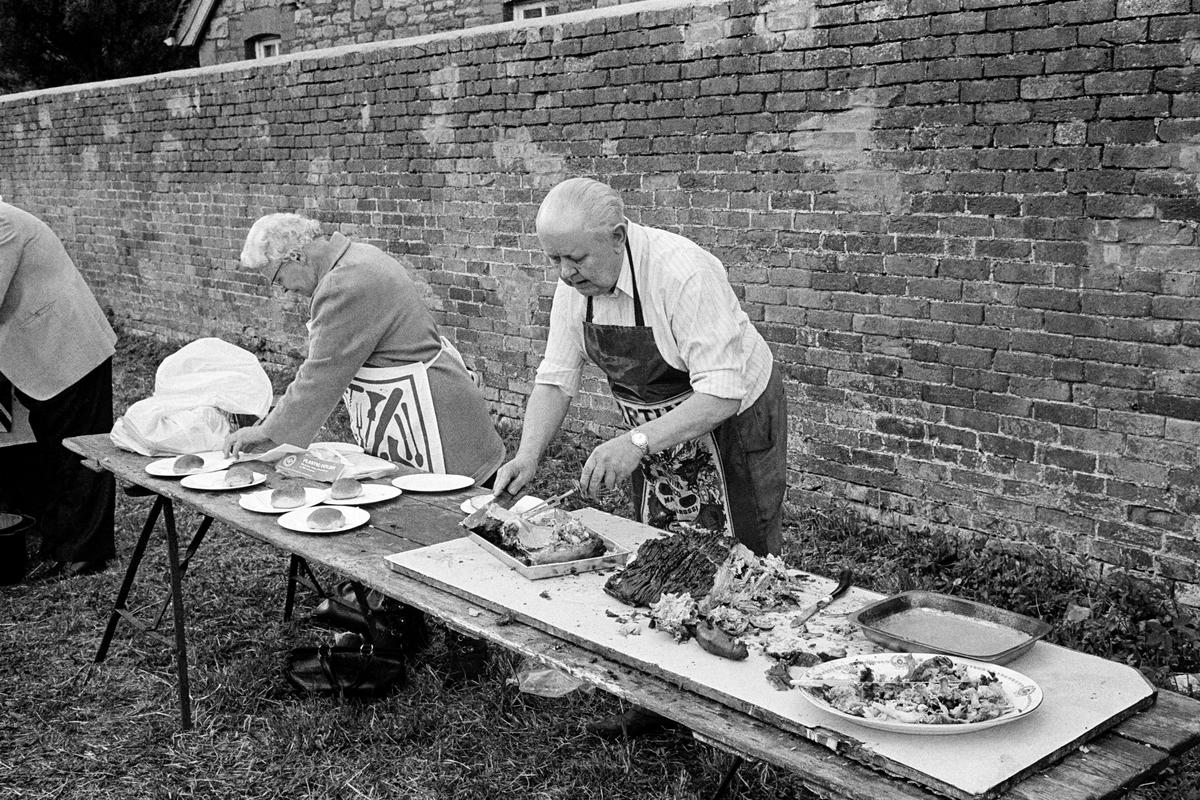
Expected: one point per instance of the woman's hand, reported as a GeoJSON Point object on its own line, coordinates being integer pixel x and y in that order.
{"type": "Point", "coordinates": [515, 474]}
{"type": "Point", "coordinates": [247, 440]}
{"type": "Point", "coordinates": [609, 464]}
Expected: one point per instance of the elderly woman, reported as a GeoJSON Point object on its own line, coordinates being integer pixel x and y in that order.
{"type": "Point", "coordinates": [373, 344]}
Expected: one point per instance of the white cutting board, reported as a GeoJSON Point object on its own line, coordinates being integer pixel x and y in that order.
{"type": "Point", "coordinates": [1082, 692]}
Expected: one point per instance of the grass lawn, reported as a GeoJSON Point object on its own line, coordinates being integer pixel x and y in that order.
{"type": "Point", "coordinates": [117, 734]}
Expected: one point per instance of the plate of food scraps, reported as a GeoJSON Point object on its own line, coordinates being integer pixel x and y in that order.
{"type": "Point", "coordinates": [920, 693]}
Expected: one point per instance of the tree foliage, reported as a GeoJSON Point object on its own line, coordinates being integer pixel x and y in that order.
{"type": "Point", "coordinates": [56, 42]}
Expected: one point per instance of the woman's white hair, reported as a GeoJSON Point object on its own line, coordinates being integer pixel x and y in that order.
{"type": "Point", "coordinates": [591, 205]}
{"type": "Point", "coordinates": [275, 237]}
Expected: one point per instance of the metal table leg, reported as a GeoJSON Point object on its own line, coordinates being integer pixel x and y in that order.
{"type": "Point", "coordinates": [300, 574]}
{"type": "Point", "coordinates": [181, 665]}
{"type": "Point", "coordinates": [175, 569]}
{"type": "Point", "coordinates": [723, 786]}
{"type": "Point", "coordinates": [135, 561]}
{"type": "Point", "coordinates": [192, 547]}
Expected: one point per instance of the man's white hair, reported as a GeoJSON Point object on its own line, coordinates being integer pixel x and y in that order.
{"type": "Point", "coordinates": [591, 205]}
{"type": "Point", "coordinates": [275, 237]}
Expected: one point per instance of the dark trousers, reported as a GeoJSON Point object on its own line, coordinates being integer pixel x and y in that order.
{"type": "Point", "coordinates": [72, 504]}
{"type": "Point", "coordinates": [753, 448]}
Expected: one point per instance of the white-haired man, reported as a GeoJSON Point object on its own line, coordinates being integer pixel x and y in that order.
{"type": "Point", "coordinates": [696, 383]}
{"type": "Point", "coordinates": [373, 344]}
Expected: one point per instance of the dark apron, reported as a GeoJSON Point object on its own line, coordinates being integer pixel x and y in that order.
{"type": "Point", "coordinates": [730, 479]}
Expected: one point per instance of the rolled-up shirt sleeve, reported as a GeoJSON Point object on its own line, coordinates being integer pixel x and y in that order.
{"type": "Point", "coordinates": [562, 363]}
{"type": "Point", "coordinates": [705, 326]}
{"type": "Point", "coordinates": [346, 327]}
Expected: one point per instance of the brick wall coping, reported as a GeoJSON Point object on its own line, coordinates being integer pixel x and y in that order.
{"type": "Point", "coordinates": [365, 47]}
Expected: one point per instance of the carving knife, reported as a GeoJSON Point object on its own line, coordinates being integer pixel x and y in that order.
{"type": "Point", "coordinates": [844, 580]}
{"type": "Point", "coordinates": [505, 499]}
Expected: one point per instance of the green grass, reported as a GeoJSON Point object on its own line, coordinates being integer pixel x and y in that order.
{"type": "Point", "coordinates": [117, 734]}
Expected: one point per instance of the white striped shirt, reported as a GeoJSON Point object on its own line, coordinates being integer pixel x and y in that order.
{"type": "Point", "coordinates": [698, 325]}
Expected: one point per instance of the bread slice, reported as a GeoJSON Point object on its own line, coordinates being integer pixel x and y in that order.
{"type": "Point", "coordinates": [345, 489]}
{"type": "Point", "coordinates": [326, 519]}
{"type": "Point", "coordinates": [288, 496]}
{"type": "Point", "coordinates": [188, 463]}
{"type": "Point", "coordinates": [239, 475]}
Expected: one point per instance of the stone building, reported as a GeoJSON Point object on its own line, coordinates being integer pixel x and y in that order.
{"type": "Point", "coordinates": [236, 30]}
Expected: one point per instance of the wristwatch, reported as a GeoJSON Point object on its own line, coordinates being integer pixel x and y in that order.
{"type": "Point", "coordinates": [640, 442]}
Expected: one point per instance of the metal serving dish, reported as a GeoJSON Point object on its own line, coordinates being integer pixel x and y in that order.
{"type": "Point", "coordinates": [928, 622]}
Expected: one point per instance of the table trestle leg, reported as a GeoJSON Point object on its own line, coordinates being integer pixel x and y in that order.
{"type": "Point", "coordinates": [723, 786]}
{"type": "Point", "coordinates": [300, 574]}
{"type": "Point", "coordinates": [135, 561]}
{"type": "Point", "coordinates": [185, 698]}
{"type": "Point", "coordinates": [192, 547]}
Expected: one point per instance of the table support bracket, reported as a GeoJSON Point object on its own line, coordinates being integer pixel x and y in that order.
{"type": "Point", "coordinates": [727, 779]}
{"type": "Point", "coordinates": [175, 568]}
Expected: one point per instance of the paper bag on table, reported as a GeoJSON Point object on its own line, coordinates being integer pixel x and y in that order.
{"type": "Point", "coordinates": [196, 391]}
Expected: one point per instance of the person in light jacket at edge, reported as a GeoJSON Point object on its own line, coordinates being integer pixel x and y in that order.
{"type": "Point", "coordinates": [56, 350]}
{"type": "Point", "coordinates": [698, 388]}
{"type": "Point", "coordinates": [373, 344]}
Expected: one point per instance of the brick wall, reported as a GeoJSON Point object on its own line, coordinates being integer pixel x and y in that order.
{"type": "Point", "coordinates": [967, 227]}
{"type": "Point", "coordinates": [323, 23]}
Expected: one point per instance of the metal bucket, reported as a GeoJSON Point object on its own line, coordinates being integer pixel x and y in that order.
{"type": "Point", "coordinates": [12, 547]}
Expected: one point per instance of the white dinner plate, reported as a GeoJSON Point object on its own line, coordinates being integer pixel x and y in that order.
{"type": "Point", "coordinates": [261, 501]}
{"type": "Point", "coordinates": [165, 467]}
{"type": "Point", "coordinates": [1024, 693]}
{"type": "Point", "coordinates": [472, 504]}
{"type": "Point", "coordinates": [215, 481]}
{"type": "Point", "coordinates": [297, 520]}
{"type": "Point", "coordinates": [371, 493]}
{"type": "Point", "coordinates": [432, 482]}
{"type": "Point", "coordinates": [340, 447]}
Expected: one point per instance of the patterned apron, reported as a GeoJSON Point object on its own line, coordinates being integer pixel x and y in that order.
{"type": "Point", "coordinates": [392, 414]}
{"type": "Point", "coordinates": [688, 482]}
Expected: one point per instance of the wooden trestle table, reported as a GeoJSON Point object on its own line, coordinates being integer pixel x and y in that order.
{"type": "Point", "coordinates": [1122, 757]}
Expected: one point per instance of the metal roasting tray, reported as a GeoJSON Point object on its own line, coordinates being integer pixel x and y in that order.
{"type": "Point", "coordinates": [614, 556]}
{"type": "Point", "coordinates": [951, 625]}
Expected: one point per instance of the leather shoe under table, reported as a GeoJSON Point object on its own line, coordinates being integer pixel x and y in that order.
{"type": "Point", "coordinates": [635, 721]}
{"type": "Point", "coordinates": [65, 569]}
{"type": "Point", "coordinates": [70, 569]}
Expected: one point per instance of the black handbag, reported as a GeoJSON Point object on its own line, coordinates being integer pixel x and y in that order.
{"type": "Point", "coordinates": [364, 671]}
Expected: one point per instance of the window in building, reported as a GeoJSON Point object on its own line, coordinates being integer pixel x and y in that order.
{"type": "Point", "coordinates": [263, 46]}
{"type": "Point", "coordinates": [529, 9]}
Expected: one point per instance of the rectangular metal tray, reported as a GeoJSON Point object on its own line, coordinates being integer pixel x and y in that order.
{"type": "Point", "coordinates": [928, 622]}
{"type": "Point", "coordinates": [614, 556]}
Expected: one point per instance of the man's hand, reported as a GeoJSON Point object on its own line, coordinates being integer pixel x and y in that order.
{"type": "Point", "coordinates": [609, 464]}
{"type": "Point", "coordinates": [247, 440]}
{"type": "Point", "coordinates": [513, 475]}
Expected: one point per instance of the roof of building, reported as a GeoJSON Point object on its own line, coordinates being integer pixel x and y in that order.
{"type": "Point", "coordinates": [191, 19]}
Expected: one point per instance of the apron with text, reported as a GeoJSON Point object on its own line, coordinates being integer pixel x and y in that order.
{"type": "Point", "coordinates": [685, 483]}
{"type": "Point", "coordinates": [392, 414]}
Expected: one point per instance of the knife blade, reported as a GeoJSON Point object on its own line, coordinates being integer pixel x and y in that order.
{"type": "Point", "coordinates": [845, 577]}
{"type": "Point", "coordinates": [505, 499]}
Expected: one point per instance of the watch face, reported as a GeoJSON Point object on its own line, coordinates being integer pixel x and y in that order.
{"type": "Point", "coordinates": [639, 438]}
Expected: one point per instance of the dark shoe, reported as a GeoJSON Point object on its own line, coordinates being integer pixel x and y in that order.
{"type": "Point", "coordinates": [466, 658]}
{"type": "Point", "coordinates": [73, 569]}
{"type": "Point", "coordinates": [635, 721]}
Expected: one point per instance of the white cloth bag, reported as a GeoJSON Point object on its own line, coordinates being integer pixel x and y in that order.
{"type": "Point", "coordinates": [194, 389]}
